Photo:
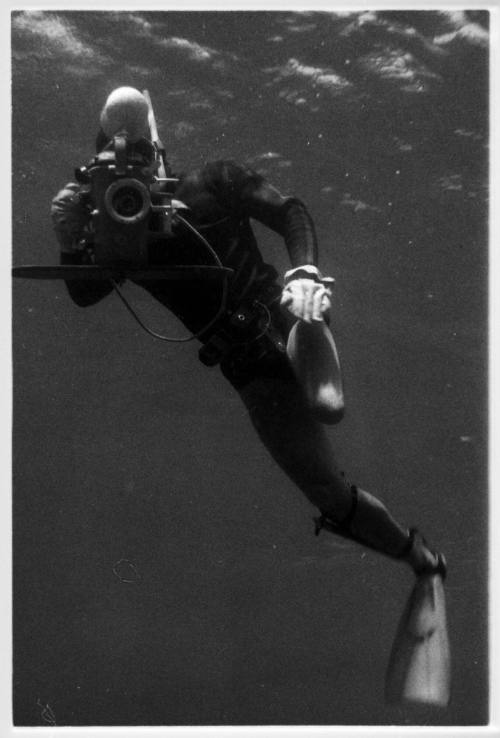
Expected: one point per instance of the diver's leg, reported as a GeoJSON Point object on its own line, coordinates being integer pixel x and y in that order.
{"type": "Point", "coordinates": [313, 355]}
{"type": "Point", "coordinates": [300, 446]}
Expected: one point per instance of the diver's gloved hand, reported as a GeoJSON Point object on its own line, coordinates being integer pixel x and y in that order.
{"type": "Point", "coordinates": [70, 213]}
{"type": "Point", "coordinates": [306, 294]}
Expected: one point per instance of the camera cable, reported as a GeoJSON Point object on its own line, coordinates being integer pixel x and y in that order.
{"type": "Point", "coordinates": [212, 321]}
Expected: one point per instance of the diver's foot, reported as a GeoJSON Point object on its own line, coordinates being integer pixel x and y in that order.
{"type": "Point", "coordinates": [420, 557]}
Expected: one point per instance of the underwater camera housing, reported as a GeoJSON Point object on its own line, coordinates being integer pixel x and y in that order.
{"type": "Point", "coordinates": [123, 196]}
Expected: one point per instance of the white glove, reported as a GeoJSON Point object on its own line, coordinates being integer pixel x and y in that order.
{"type": "Point", "coordinates": [307, 294]}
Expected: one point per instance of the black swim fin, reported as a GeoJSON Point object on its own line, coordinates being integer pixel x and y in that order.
{"type": "Point", "coordinates": [419, 665]}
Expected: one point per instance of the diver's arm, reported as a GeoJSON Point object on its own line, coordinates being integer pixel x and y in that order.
{"type": "Point", "coordinates": [306, 294]}
{"type": "Point", "coordinates": [70, 215]}
{"type": "Point", "coordinates": [289, 217]}
{"type": "Point", "coordinates": [249, 194]}
{"type": "Point", "coordinates": [244, 193]}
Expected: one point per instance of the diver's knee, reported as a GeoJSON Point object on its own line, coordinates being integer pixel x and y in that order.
{"type": "Point", "coordinates": [328, 405]}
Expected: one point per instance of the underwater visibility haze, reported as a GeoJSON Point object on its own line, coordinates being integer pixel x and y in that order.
{"type": "Point", "coordinates": [166, 572]}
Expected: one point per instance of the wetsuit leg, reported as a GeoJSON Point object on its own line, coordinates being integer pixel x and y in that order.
{"type": "Point", "coordinates": [300, 445]}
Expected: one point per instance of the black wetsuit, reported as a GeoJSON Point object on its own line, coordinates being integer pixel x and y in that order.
{"type": "Point", "coordinates": [222, 197]}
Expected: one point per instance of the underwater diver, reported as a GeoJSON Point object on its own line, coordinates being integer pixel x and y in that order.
{"type": "Point", "coordinates": [221, 198]}
{"type": "Point", "coordinates": [272, 342]}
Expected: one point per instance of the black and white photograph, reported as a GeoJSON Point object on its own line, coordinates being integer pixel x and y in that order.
{"type": "Point", "coordinates": [250, 264]}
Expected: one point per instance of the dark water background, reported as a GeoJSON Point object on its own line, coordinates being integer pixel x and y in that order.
{"type": "Point", "coordinates": [225, 609]}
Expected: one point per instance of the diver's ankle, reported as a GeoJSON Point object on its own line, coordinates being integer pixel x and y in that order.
{"type": "Point", "coordinates": [420, 557]}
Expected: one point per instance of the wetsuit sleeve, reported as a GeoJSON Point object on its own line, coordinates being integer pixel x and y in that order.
{"type": "Point", "coordinates": [69, 218]}
{"type": "Point", "coordinates": [251, 195]}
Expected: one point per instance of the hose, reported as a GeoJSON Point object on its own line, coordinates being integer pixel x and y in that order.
{"type": "Point", "coordinates": [223, 302]}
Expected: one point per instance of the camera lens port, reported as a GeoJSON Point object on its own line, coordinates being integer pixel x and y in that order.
{"type": "Point", "coordinates": [127, 201]}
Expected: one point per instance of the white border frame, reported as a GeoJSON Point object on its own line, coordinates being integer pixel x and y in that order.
{"type": "Point", "coordinates": [493, 729]}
